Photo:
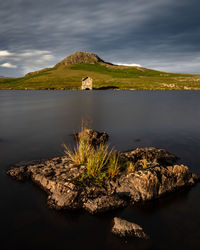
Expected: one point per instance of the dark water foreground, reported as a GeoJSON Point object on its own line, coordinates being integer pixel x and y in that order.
{"type": "Point", "coordinates": [34, 124]}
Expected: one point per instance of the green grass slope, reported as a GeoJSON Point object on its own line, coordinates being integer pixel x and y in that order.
{"type": "Point", "coordinates": [104, 76]}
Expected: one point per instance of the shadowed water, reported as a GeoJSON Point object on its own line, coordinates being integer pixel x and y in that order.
{"type": "Point", "coordinates": [35, 124]}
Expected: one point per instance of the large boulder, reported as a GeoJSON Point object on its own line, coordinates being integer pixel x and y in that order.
{"type": "Point", "coordinates": [94, 137]}
{"type": "Point", "coordinates": [124, 228]}
{"type": "Point", "coordinates": [154, 182]}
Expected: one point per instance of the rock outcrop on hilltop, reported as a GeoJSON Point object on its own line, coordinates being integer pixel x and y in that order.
{"type": "Point", "coordinates": [81, 57]}
{"type": "Point", "coordinates": [151, 177]}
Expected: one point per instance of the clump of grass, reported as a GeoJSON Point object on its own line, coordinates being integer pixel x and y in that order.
{"type": "Point", "coordinates": [101, 163]}
{"type": "Point", "coordinates": [81, 152]}
{"type": "Point", "coordinates": [113, 166]}
{"type": "Point", "coordinates": [96, 166]}
{"type": "Point", "coordinates": [97, 160]}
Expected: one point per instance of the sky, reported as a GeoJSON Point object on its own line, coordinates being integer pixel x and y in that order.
{"type": "Point", "coordinates": [157, 34]}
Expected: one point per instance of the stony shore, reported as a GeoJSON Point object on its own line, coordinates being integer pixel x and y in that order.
{"type": "Point", "coordinates": [57, 176]}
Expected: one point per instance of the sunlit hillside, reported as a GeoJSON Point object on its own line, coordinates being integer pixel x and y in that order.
{"type": "Point", "coordinates": [68, 73]}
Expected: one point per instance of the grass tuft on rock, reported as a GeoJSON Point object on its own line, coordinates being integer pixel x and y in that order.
{"type": "Point", "coordinates": [101, 163]}
{"type": "Point", "coordinates": [81, 152]}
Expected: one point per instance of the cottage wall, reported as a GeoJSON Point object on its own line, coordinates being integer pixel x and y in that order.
{"type": "Point", "coordinates": [87, 83]}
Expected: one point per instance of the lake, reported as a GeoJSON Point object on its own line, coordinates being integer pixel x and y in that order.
{"type": "Point", "coordinates": [35, 124]}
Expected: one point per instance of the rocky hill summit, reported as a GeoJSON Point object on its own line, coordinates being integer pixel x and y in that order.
{"type": "Point", "coordinates": [81, 57]}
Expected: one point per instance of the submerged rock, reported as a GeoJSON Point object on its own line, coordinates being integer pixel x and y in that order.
{"type": "Point", "coordinates": [124, 228]}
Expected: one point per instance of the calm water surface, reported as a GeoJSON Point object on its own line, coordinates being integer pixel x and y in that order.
{"type": "Point", "coordinates": [35, 124]}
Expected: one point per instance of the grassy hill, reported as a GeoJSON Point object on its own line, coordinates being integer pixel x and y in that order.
{"type": "Point", "coordinates": [68, 73]}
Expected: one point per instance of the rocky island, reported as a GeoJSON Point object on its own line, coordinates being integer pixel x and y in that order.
{"type": "Point", "coordinates": [97, 179]}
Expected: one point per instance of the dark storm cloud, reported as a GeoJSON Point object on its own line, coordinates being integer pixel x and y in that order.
{"type": "Point", "coordinates": [161, 34]}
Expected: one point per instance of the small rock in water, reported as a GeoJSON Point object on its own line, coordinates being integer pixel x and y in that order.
{"type": "Point", "coordinates": [124, 228]}
{"type": "Point", "coordinates": [94, 137]}
{"type": "Point", "coordinates": [19, 173]}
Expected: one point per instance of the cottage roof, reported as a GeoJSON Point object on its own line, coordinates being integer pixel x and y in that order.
{"type": "Point", "coordinates": [85, 78]}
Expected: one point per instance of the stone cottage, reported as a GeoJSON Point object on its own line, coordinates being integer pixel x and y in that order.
{"type": "Point", "coordinates": [87, 83]}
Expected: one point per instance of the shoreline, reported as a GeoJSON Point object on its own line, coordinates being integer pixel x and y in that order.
{"type": "Point", "coordinates": [191, 89]}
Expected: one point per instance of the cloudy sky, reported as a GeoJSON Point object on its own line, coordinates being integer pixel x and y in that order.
{"type": "Point", "coordinates": [158, 34]}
